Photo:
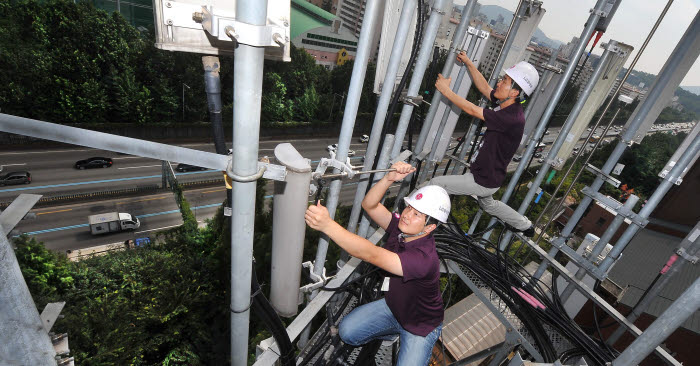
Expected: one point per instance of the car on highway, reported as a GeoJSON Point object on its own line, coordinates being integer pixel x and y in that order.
{"type": "Point", "coordinates": [517, 157]}
{"type": "Point", "coordinates": [538, 155]}
{"type": "Point", "coordinates": [364, 138]}
{"type": "Point", "coordinates": [334, 147]}
{"type": "Point", "coordinates": [13, 178]}
{"type": "Point", "coordinates": [188, 168]}
{"type": "Point", "coordinates": [540, 160]}
{"type": "Point", "coordinates": [94, 162]}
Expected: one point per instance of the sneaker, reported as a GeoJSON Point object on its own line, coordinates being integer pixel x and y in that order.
{"type": "Point", "coordinates": [529, 232]}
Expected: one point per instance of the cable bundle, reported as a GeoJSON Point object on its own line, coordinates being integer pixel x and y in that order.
{"type": "Point", "coordinates": [514, 286]}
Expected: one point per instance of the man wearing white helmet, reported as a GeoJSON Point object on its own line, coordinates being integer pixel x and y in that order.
{"type": "Point", "coordinates": [504, 130]}
{"type": "Point", "coordinates": [412, 306]}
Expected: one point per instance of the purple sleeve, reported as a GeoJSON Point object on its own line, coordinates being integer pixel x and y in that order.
{"type": "Point", "coordinates": [393, 224]}
{"type": "Point", "coordinates": [392, 230]}
{"type": "Point", "coordinates": [414, 264]}
{"type": "Point", "coordinates": [491, 118]}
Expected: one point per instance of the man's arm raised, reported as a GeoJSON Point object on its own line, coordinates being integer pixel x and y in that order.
{"type": "Point", "coordinates": [479, 81]}
{"type": "Point", "coordinates": [443, 85]}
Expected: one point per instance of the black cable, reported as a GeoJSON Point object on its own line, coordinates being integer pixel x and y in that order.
{"type": "Point", "coordinates": [272, 321]}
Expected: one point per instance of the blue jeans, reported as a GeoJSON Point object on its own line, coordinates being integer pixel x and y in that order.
{"type": "Point", "coordinates": [375, 321]}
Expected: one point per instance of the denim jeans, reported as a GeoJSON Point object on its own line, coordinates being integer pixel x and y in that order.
{"type": "Point", "coordinates": [375, 321]}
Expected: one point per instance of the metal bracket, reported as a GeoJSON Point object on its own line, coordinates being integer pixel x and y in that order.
{"type": "Point", "coordinates": [687, 256]}
{"type": "Point", "coordinates": [223, 25]}
{"type": "Point", "coordinates": [265, 170]}
{"type": "Point", "coordinates": [617, 206]}
{"type": "Point", "coordinates": [226, 28]}
{"type": "Point", "coordinates": [319, 281]}
{"type": "Point", "coordinates": [50, 313]}
{"type": "Point", "coordinates": [345, 168]}
{"type": "Point", "coordinates": [412, 100]}
{"type": "Point", "coordinates": [439, 11]}
{"type": "Point", "coordinates": [578, 259]}
{"type": "Point", "coordinates": [602, 13]}
{"type": "Point", "coordinates": [615, 183]}
{"type": "Point", "coordinates": [552, 68]}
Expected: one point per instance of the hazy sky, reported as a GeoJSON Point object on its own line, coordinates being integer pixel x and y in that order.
{"type": "Point", "coordinates": [631, 24]}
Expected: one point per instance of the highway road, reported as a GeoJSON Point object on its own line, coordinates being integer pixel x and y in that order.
{"type": "Point", "coordinates": [65, 227]}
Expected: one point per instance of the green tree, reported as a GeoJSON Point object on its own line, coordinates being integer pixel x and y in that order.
{"type": "Point", "coordinates": [275, 105]}
{"type": "Point", "coordinates": [306, 106]}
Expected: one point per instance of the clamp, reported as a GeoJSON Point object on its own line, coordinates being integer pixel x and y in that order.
{"type": "Point", "coordinates": [414, 101]}
{"type": "Point", "coordinates": [319, 281]}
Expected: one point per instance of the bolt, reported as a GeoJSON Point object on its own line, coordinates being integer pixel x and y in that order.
{"type": "Point", "coordinates": [231, 32]}
{"type": "Point", "coordinates": [170, 22]}
{"type": "Point", "coordinates": [168, 5]}
{"type": "Point", "coordinates": [198, 17]}
{"type": "Point", "coordinates": [278, 39]}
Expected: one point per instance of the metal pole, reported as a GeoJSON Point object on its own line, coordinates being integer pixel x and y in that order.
{"type": "Point", "coordinates": [383, 161]}
{"type": "Point", "coordinates": [23, 339]}
{"type": "Point", "coordinates": [690, 246]}
{"type": "Point", "coordinates": [600, 245]}
{"type": "Point", "coordinates": [457, 41]}
{"type": "Point", "coordinates": [437, 12]}
{"type": "Point", "coordinates": [372, 9]}
{"type": "Point", "coordinates": [662, 327]}
{"type": "Point", "coordinates": [679, 54]}
{"type": "Point", "coordinates": [535, 136]}
{"type": "Point", "coordinates": [430, 162]}
{"type": "Point", "coordinates": [585, 36]}
{"type": "Point", "coordinates": [402, 30]}
{"type": "Point", "coordinates": [247, 95]}
{"type": "Point", "coordinates": [212, 85]}
{"type": "Point", "coordinates": [652, 202]}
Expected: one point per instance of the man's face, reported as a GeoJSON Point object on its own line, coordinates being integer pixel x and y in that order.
{"type": "Point", "coordinates": [412, 221]}
{"type": "Point", "coordinates": [504, 88]}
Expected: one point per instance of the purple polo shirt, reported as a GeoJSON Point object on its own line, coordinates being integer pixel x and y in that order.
{"type": "Point", "coordinates": [415, 298]}
{"type": "Point", "coordinates": [504, 130]}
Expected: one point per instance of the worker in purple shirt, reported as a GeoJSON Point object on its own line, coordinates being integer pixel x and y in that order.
{"type": "Point", "coordinates": [412, 307]}
{"type": "Point", "coordinates": [504, 130]}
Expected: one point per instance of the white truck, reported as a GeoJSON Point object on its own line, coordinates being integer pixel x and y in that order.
{"type": "Point", "coordinates": [112, 222]}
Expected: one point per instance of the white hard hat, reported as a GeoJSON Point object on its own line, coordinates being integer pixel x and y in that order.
{"type": "Point", "coordinates": [432, 201]}
{"type": "Point", "coordinates": [525, 75]}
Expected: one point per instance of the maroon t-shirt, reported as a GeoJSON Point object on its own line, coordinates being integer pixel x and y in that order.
{"type": "Point", "coordinates": [415, 298]}
{"type": "Point", "coordinates": [504, 130]}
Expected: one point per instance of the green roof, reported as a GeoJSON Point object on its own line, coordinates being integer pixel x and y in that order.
{"type": "Point", "coordinates": [306, 16]}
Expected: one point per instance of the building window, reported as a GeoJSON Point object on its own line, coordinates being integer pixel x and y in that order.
{"type": "Point", "coordinates": [327, 45]}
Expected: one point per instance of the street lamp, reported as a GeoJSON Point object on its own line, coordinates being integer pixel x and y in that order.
{"type": "Point", "coordinates": [183, 100]}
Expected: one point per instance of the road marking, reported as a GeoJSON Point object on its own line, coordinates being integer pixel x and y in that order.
{"type": "Point", "coordinates": [99, 181]}
{"type": "Point", "coordinates": [139, 216]}
{"type": "Point", "coordinates": [43, 152]}
{"type": "Point", "coordinates": [160, 228]}
{"type": "Point", "coordinates": [49, 212]}
{"type": "Point", "coordinates": [137, 167]}
{"type": "Point", "coordinates": [13, 164]}
{"type": "Point", "coordinates": [147, 199]}
{"type": "Point", "coordinates": [130, 157]}
{"type": "Point", "coordinates": [216, 190]}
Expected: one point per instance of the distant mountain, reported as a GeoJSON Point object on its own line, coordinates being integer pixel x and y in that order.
{"type": "Point", "coordinates": [493, 11]}
{"type": "Point", "coordinates": [693, 89]}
